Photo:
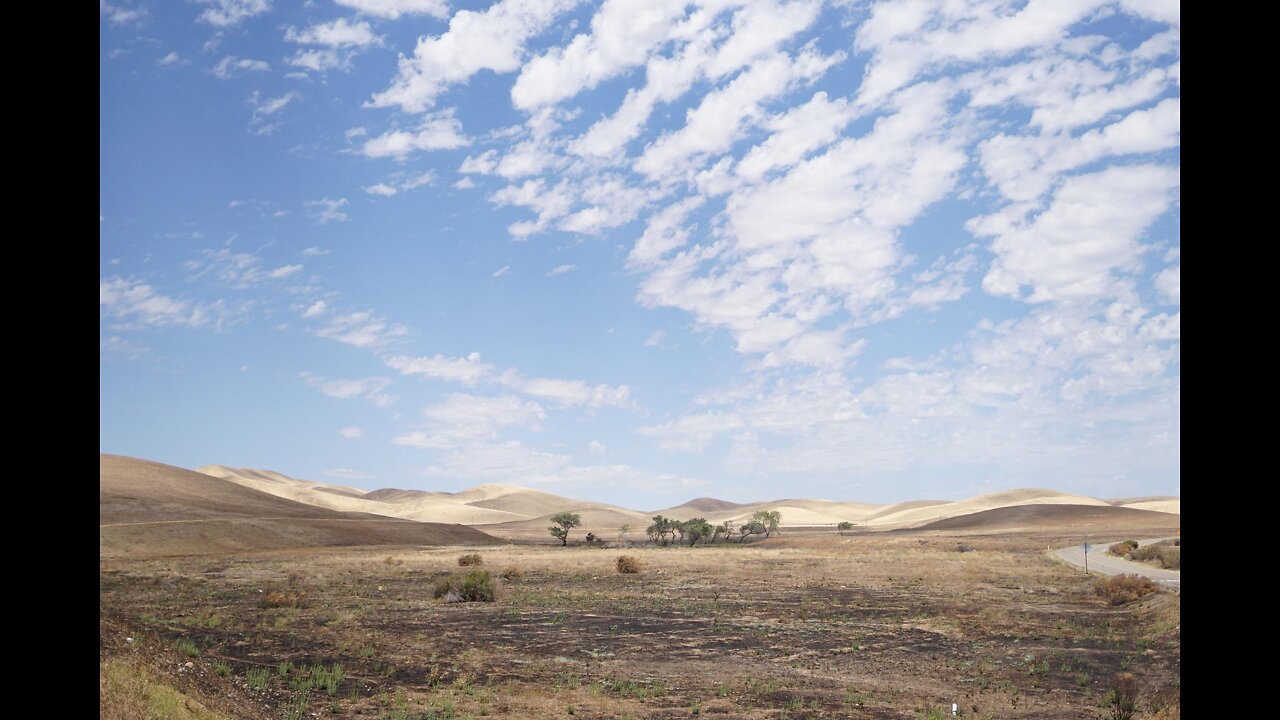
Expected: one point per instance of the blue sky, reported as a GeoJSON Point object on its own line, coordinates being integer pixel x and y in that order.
{"type": "Point", "coordinates": [644, 250]}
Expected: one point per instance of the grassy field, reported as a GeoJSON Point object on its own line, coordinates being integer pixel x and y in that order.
{"type": "Point", "coordinates": [800, 626]}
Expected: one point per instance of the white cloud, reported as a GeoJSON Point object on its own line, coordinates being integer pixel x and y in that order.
{"type": "Point", "coordinates": [623, 33]}
{"type": "Point", "coordinates": [392, 9]}
{"type": "Point", "coordinates": [314, 252]}
{"type": "Point", "coordinates": [440, 131]}
{"type": "Point", "coordinates": [567, 393]}
{"type": "Point", "coordinates": [724, 114]}
{"type": "Point", "coordinates": [796, 133]}
{"type": "Point", "coordinates": [490, 40]}
{"type": "Point", "coordinates": [315, 309]}
{"type": "Point", "coordinates": [361, 329]}
{"type": "Point", "coordinates": [351, 432]}
{"type": "Point", "coordinates": [231, 66]}
{"type": "Point", "coordinates": [561, 269]}
{"type": "Point", "coordinates": [597, 448]}
{"type": "Point", "coordinates": [134, 303]}
{"type": "Point", "coordinates": [171, 59]}
{"type": "Point", "coordinates": [121, 15]}
{"type": "Point", "coordinates": [1169, 283]}
{"type": "Point", "coordinates": [336, 34]}
{"type": "Point", "coordinates": [240, 269]}
{"type": "Point", "coordinates": [1074, 248]}
{"type": "Point", "coordinates": [326, 210]}
{"type": "Point", "coordinates": [320, 59]}
{"type": "Point", "coordinates": [461, 418]}
{"type": "Point", "coordinates": [349, 474]}
{"type": "Point", "coordinates": [467, 370]}
{"type": "Point", "coordinates": [265, 108]}
{"type": "Point", "coordinates": [465, 183]}
{"type": "Point", "coordinates": [501, 271]}
{"type": "Point", "coordinates": [371, 390]}
{"type": "Point", "coordinates": [655, 339]}
{"type": "Point", "coordinates": [226, 13]}
{"type": "Point", "coordinates": [401, 183]}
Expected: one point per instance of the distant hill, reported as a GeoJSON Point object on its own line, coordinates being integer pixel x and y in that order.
{"type": "Point", "coordinates": [151, 509]}
{"type": "Point", "coordinates": [1056, 516]}
{"type": "Point", "coordinates": [516, 511]}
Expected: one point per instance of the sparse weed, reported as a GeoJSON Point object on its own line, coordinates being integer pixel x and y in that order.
{"type": "Point", "coordinates": [187, 647]}
{"type": "Point", "coordinates": [257, 678]}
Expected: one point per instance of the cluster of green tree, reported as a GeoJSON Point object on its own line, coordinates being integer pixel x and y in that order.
{"type": "Point", "coordinates": [667, 531]}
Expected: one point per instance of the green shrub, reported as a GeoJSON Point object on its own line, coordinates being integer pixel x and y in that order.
{"type": "Point", "coordinates": [628, 564]}
{"type": "Point", "coordinates": [1122, 701]}
{"type": "Point", "coordinates": [1122, 589]}
{"type": "Point", "coordinates": [475, 586]}
{"type": "Point", "coordinates": [470, 559]}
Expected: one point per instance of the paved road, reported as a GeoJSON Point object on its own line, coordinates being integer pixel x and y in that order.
{"type": "Point", "coordinates": [1102, 563]}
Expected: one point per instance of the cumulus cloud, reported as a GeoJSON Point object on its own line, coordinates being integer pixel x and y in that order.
{"type": "Point", "coordinates": [226, 13]}
{"type": "Point", "coordinates": [440, 131]}
{"type": "Point", "coordinates": [362, 329]}
{"type": "Point", "coordinates": [493, 40]}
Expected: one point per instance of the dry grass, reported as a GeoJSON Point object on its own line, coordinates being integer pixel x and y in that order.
{"type": "Point", "coordinates": [284, 599]}
{"type": "Point", "coordinates": [1123, 589]}
{"type": "Point", "coordinates": [470, 559]}
{"type": "Point", "coordinates": [512, 572]}
{"type": "Point", "coordinates": [129, 690]}
{"type": "Point", "coordinates": [627, 564]}
{"type": "Point", "coordinates": [808, 626]}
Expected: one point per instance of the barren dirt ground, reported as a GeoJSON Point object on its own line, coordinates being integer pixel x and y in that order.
{"type": "Point", "coordinates": [800, 626]}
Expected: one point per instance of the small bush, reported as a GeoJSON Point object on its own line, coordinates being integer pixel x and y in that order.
{"type": "Point", "coordinates": [512, 572]}
{"type": "Point", "coordinates": [1122, 589]}
{"type": "Point", "coordinates": [1123, 698]}
{"type": "Point", "coordinates": [393, 560]}
{"type": "Point", "coordinates": [284, 598]}
{"type": "Point", "coordinates": [475, 586]}
{"type": "Point", "coordinates": [1164, 556]}
{"type": "Point", "coordinates": [628, 564]}
{"type": "Point", "coordinates": [470, 559]}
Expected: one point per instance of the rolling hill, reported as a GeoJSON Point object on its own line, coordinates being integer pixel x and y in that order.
{"type": "Point", "coordinates": [151, 509]}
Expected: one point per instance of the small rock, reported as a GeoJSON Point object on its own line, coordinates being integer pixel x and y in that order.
{"type": "Point", "coordinates": [189, 665]}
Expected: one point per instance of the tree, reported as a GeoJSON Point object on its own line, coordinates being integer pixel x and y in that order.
{"type": "Point", "coordinates": [720, 530]}
{"type": "Point", "coordinates": [751, 527]}
{"type": "Point", "coordinates": [622, 532]}
{"type": "Point", "coordinates": [770, 519]}
{"type": "Point", "coordinates": [563, 521]}
{"type": "Point", "coordinates": [696, 529]}
{"type": "Point", "coordinates": [844, 525]}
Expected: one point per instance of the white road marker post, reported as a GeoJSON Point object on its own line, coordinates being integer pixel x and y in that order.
{"type": "Point", "coordinates": [954, 708]}
{"type": "Point", "coordinates": [1085, 547]}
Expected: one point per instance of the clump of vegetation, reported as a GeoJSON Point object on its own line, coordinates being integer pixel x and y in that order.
{"type": "Point", "coordinates": [470, 559]}
{"type": "Point", "coordinates": [257, 678]}
{"type": "Point", "coordinates": [628, 564]}
{"type": "Point", "coordinates": [1122, 700]}
{"type": "Point", "coordinates": [222, 667]}
{"type": "Point", "coordinates": [563, 523]}
{"type": "Point", "coordinates": [963, 548]}
{"type": "Point", "coordinates": [186, 647]}
{"type": "Point", "coordinates": [1162, 556]}
{"type": "Point", "coordinates": [284, 599]}
{"type": "Point", "coordinates": [512, 572]}
{"type": "Point", "coordinates": [393, 560]}
{"type": "Point", "coordinates": [1122, 549]}
{"type": "Point", "coordinates": [844, 525]}
{"type": "Point", "coordinates": [475, 586]}
{"type": "Point", "coordinates": [1123, 589]}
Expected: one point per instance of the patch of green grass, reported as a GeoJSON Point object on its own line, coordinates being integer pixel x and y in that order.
{"type": "Point", "coordinates": [257, 678]}
{"type": "Point", "coordinates": [284, 667]}
{"type": "Point", "coordinates": [222, 667]}
{"type": "Point", "coordinates": [187, 647]}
